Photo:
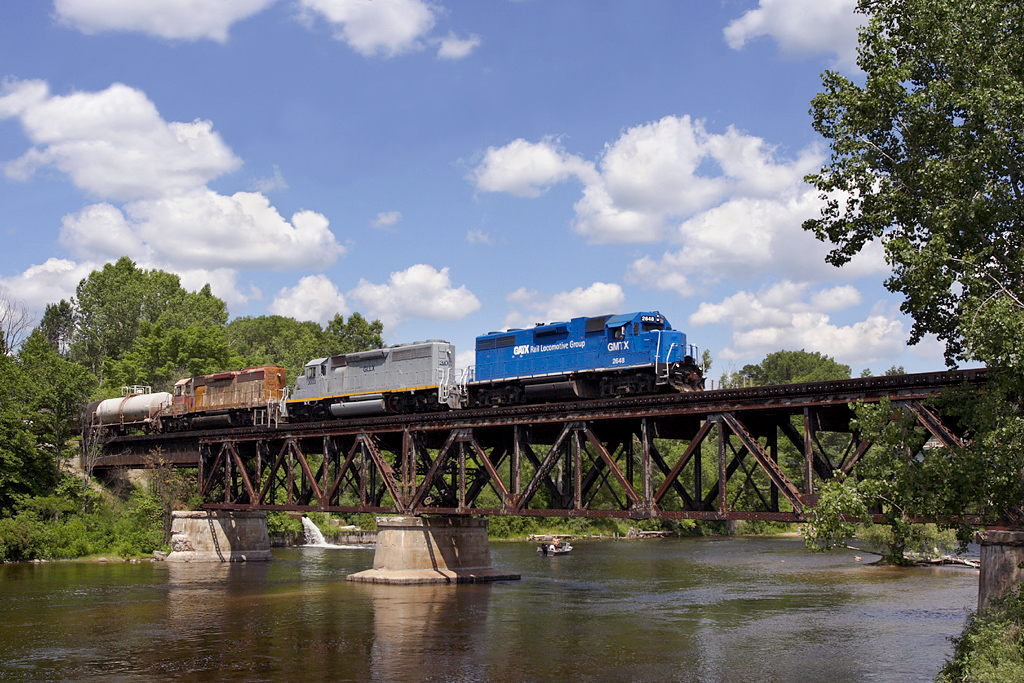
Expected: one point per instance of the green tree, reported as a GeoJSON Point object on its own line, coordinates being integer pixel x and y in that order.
{"type": "Point", "coordinates": [24, 471]}
{"type": "Point", "coordinates": [794, 367]}
{"type": "Point", "coordinates": [356, 334]}
{"type": "Point", "coordinates": [277, 340]}
{"type": "Point", "coordinates": [114, 304]}
{"type": "Point", "coordinates": [58, 326]}
{"type": "Point", "coordinates": [927, 158]}
{"type": "Point", "coordinates": [55, 389]}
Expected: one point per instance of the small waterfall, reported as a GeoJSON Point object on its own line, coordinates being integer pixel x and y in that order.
{"type": "Point", "coordinates": [311, 534]}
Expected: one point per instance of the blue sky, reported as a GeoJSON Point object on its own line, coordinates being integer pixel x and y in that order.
{"type": "Point", "coordinates": [450, 167]}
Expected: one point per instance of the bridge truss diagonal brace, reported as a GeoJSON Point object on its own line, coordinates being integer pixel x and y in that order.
{"type": "Point", "coordinates": [934, 425]}
{"type": "Point", "coordinates": [387, 473]}
{"type": "Point", "coordinates": [545, 467]}
{"type": "Point", "coordinates": [770, 467]}
{"type": "Point", "coordinates": [431, 477]}
{"type": "Point", "coordinates": [636, 501]}
{"type": "Point", "coordinates": [492, 473]}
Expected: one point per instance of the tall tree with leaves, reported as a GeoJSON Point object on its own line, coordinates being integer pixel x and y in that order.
{"type": "Point", "coordinates": [927, 157]}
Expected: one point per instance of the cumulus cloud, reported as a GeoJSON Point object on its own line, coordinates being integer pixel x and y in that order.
{"type": "Point", "coordinates": [531, 307]}
{"type": "Point", "coordinates": [174, 19]}
{"type": "Point", "coordinates": [789, 315]}
{"type": "Point", "coordinates": [528, 169]}
{"type": "Point", "coordinates": [745, 238]}
{"type": "Point", "coordinates": [47, 283]}
{"type": "Point", "coordinates": [153, 176]}
{"type": "Point", "coordinates": [112, 143]}
{"type": "Point", "coordinates": [380, 27]}
{"type": "Point", "coordinates": [315, 298]}
{"type": "Point", "coordinates": [420, 291]}
{"type": "Point", "coordinates": [650, 178]}
{"type": "Point", "coordinates": [802, 27]}
{"type": "Point", "coordinates": [453, 47]}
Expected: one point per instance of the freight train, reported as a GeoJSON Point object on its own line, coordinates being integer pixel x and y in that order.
{"type": "Point", "coordinates": [583, 358]}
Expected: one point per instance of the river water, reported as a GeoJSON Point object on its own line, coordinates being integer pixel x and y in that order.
{"type": "Point", "coordinates": [729, 610]}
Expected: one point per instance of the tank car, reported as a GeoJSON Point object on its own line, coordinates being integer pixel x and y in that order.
{"type": "Point", "coordinates": [603, 356]}
{"type": "Point", "coordinates": [137, 408]}
{"type": "Point", "coordinates": [236, 398]}
{"type": "Point", "coordinates": [405, 378]}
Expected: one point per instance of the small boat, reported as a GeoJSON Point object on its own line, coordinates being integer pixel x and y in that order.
{"type": "Point", "coordinates": [556, 547]}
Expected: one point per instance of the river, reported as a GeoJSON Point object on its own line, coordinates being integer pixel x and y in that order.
{"type": "Point", "coordinates": [731, 610]}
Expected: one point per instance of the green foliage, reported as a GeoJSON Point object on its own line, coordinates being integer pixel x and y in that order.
{"type": "Point", "coordinates": [794, 367]}
{"type": "Point", "coordinates": [917, 541]}
{"type": "Point", "coordinates": [356, 334]}
{"type": "Point", "coordinates": [54, 391]}
{"type": "Point", "coordinates": [58, 326]}
{"type": "Point", "coordinates": [834, 518]}
{"type": "Point", "coordinates": [926, 155]}
{"type": "Point", "coordinates": [24, 468]}
{"type": "Point", "coordinates": [139, 528]}
{"type": "Point", "coordinates": [991, 647]}
{"type": "Point", "coordinates": [274, 339]}
{"type": "Point", "coordinates": [113, 303]}
{"type": "Point", "coordinates": [162, 356]}
{"type": "Point", "coordinates": [70, 524]}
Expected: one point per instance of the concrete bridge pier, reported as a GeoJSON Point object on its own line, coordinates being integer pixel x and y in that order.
{"type": "Point", "coordinates": [219, 536]}
{"type": "Point", "coordinates": [417, 550]}
{"type": "Point", "coordinates": [1002, 564]}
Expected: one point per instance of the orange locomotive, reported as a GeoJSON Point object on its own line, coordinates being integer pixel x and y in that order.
{"type": "Point", "coordinates": [253, 396]}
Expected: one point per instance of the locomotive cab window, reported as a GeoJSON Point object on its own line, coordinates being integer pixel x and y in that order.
{"type": "Point", "coordinates": [310, 372]}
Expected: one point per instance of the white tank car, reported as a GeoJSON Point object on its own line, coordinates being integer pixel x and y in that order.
{"type": "Point", "coordinates": [136, 407]}
{"type": "Point", "coordinates": [405, 378]}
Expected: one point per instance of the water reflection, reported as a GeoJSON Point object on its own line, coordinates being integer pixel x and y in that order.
{"type": "Point", "coordinates": [704, 610]}
{"type": "Point", "coordinates": [425, 632]}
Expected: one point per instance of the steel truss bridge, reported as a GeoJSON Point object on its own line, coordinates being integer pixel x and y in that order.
{"type": "Point", "coordinates": [713, 455]}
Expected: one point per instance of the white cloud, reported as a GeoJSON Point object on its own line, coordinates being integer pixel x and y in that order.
{"type": "Point", "coordinates": [203, 229]}
{"type": "Point", "coordinates": [651, 177]}
{"type": "Point", "coordinates": [223, 283]}
{"type": "Point", "coordinates": [747, 238]}
{"type": "Point", "coordinates": [802, 27]}
{"type": "Point", "coordinates": [420, 291]}
{"type": "Point", "coordinates": [783, 316]}
{"type": "Point", "coordinates": [372, 27]}
{"type": "Point", "coordinates": [530, 307]}
{"type": "Point", "coordinates": [477, 237]}
{"type": "Point", "coordinates": [528, 169]}
{"type": "Point", "coordinates": [175, 19]}
{"type": "Point", "coordinates": [114, 144]}
{"type": "Point", "coordinates": [315, 298]}
{"type": "Point", "coordinates": [386, 219]}
{"type": "Point", "coordinates": [453, 47]}
{"type": "Point", "coordinates": [48, 283]}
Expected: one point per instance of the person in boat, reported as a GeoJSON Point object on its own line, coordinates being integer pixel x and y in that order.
{"type": "Point", "coordinates": [555, 544]}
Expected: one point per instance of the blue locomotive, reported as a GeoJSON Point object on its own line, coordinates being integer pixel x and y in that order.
{"type": "Point", "coordinates": [604, 356]}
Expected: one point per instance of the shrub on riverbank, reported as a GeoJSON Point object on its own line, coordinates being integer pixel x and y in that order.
{"type": "Point", "coordinates": [76, 523]}
{"type": "Point", "coordinates": [991, 647]}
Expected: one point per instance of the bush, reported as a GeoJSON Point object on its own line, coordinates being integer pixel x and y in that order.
{"type": "Point", "coordinates": [22, 538]}
{"type": "Point", "coordinates": [991, 647]}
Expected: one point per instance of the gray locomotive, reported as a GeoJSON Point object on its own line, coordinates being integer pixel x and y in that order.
{"type": "Point", "coordinates": [407, 378]}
